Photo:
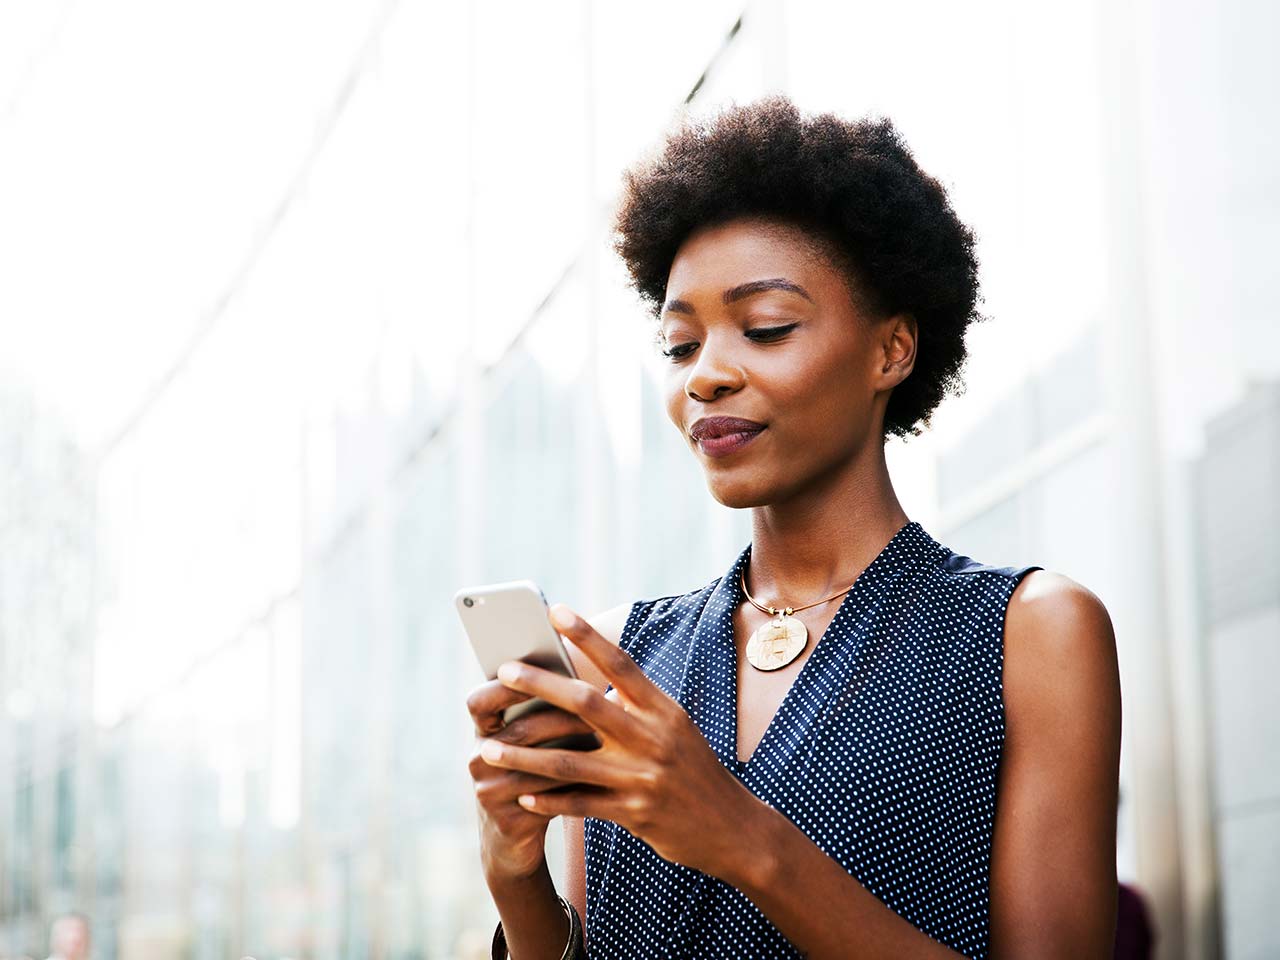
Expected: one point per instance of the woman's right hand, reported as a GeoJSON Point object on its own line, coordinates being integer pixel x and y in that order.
{"type": "Point", "coordinates": [512, 840]}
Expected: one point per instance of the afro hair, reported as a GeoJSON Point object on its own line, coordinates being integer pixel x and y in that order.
{"type": "Point", "coordinates": [854, 186]}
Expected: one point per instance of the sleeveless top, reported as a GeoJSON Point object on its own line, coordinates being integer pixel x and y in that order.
{"type": "Point", "coordinates": [884, 753]}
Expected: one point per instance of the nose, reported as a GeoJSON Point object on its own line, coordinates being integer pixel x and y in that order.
{"type": "Point", "coordinates": [714, 372]}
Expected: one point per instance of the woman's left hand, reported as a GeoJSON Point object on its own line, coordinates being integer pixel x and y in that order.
{"type": "Point", "coordinates": [654, 774]}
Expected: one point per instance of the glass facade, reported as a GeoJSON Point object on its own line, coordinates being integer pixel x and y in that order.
{"type": "Point", "coordinates": [271, 423]}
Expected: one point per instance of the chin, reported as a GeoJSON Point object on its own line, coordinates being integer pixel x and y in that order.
{"type": "Point", "coordinates": [739, 494]}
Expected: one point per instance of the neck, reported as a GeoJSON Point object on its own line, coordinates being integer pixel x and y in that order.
{"type": "Point", "coordinates": [820, 539]}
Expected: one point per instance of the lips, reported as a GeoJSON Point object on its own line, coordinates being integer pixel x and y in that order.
{"type": "Point", "coordinates": [730, 443]}
{"type": "Point", "coordinates": [712, 428]}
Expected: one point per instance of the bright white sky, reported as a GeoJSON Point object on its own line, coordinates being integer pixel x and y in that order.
{"type": "Point", "coordinates": [143, 146]}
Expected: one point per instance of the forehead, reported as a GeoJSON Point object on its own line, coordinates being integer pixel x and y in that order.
{"type": "Point", "coordinates": [718, 256]}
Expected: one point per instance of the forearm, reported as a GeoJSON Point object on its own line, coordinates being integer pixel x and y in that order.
{"type": "Point", "coordinates": [813, 901]}
{"type": "Point", "coordinates": [533, 921]}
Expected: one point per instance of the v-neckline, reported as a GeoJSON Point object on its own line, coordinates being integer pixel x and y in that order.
{"type": "Point", "coordinates": [730, 588]}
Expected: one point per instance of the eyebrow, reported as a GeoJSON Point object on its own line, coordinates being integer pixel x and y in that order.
{"type": "Point", "coordinates": [741, 291]}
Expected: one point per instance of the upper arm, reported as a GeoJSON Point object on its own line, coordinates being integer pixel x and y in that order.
{"type": "Point", "coordinates": [609, 625]}
{"type": "Point", "coordinates": [1053, 870]}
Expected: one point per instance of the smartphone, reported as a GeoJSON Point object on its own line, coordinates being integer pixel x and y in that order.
{"type": "Point", "coordinates": [512, 621]}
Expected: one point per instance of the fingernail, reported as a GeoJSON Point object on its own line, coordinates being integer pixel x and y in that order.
{"type": "Point", "coordinates": [491, 750]}
{"type": "Point", "coordinates": [563, 617]}
{"type": "Point", "coordinates": [526, 800]}
{"type": "Point", "coordinates": [509, 673]}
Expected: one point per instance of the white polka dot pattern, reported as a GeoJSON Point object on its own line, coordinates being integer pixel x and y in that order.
{"type": "Point", "coordinates": [884, 753]}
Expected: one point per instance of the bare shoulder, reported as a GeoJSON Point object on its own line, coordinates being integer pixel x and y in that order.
{"type": "Point", "coordinates": [609, 624]}
{"type": "Point", "coordinates": [1061, 676]}
{"type": "Point", "coordinates": [1054, 622]}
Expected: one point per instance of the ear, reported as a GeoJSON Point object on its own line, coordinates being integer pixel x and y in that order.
{"type": "Point", "coordinates": [897, 340]}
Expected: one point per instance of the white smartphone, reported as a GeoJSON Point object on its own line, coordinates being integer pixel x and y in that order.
{"type": "Point", "coordinates": [511, 621]}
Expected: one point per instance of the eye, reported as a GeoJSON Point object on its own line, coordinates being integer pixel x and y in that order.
{"type": "Point", "coordinates": [675, 353]}
{"type": "Point", "coordinates": [771, 333]}
{"type": "Point", "coordinates": [759, 334]}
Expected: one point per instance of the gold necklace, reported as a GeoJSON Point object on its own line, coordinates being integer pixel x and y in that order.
{"type": "Point", "coordinates": [777, 642]}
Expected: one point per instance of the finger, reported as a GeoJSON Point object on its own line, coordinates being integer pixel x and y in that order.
{"type": "Point", "coordinates": [576, 766]}
{"type": "Point", "coordinates": [487, 702]}
{"type": "Point", "coordinates": [489, 777]}
{"type": "Point", "coordinates": [573, 696]}
{"type": "Point", "coordinates": [542, 726]}
{"type": "Point", "coordinates": [509, 784]}
{"type": "Point", "coordinates": [589, 802]}
{"type": "Point", "coordinates": [615, 663]}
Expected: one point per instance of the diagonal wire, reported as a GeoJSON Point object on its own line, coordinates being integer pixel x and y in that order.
{"type": "Point", "coordinates": [36, 60]}
{"type": "Point", "coordinates": [266, 232]}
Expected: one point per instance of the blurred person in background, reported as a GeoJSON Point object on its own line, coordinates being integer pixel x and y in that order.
{"type": "Point", "coordinates": [69, 937]}
{"type": "Point", "coordinates": [1135, 936]}
{"type": "Point", "coordinates": [856, 742]}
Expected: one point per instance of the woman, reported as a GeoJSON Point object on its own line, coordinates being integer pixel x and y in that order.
{"type": "Point", "coordinates": [856, 742]}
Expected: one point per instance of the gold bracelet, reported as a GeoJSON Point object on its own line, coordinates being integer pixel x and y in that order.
{"type": "Point", "coordinates": [575, 949]}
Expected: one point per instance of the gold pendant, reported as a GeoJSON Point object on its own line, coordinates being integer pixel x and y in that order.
{"type": "Point", "coordinates": [777, 642]}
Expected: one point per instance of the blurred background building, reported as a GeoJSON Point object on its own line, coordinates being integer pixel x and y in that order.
{"type": "Point", "coordinates": [308, 318]}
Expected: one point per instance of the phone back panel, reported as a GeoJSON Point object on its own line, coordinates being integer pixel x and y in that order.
{"type": "Point", "coordinates": [509, 621]}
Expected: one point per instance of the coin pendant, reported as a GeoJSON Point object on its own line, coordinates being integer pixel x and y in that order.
{"type": "Point", "coordinates": [777, 642]}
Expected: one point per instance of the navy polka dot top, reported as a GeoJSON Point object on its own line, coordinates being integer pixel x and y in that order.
{"type": "Point", "coordinates": [883, 752]}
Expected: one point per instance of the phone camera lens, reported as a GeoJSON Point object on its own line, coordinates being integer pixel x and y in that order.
{"type": "Point", "coordinates": [468, 602]}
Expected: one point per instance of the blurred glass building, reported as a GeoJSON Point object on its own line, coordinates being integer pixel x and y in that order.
{"type": "Point", "coordinates": [309, 318]}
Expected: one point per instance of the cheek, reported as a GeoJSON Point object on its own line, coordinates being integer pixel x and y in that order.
{"type": "Point", "coordinates": [799, 383]}
{"type": "Point", "coordinates": [826, 401]}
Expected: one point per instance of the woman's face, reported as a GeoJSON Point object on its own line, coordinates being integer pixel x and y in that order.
{"type": "Point", "coordinates": [816, 383]}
